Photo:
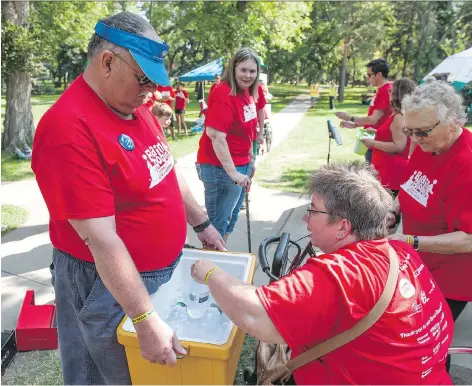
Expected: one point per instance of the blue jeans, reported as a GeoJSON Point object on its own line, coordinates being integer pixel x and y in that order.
{"type": "Point", "coordinates": [223, 199]}
{"type": "Point", "coordinates": [87, 316]}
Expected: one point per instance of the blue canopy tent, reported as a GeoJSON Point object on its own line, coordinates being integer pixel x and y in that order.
{"type": "Point", "coordinates": [205, 72]}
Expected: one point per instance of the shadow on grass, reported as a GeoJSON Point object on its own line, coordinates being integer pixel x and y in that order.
{"type": "Point", "coordinates": [292, 180]}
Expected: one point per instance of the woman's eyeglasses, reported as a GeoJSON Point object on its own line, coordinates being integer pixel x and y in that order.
{"type": "Point", "coordinates": [418, 133]}
{"type": "Point", "coordinates": [316, 211]}
{"type": "Point", "coordinates": [142, 80]}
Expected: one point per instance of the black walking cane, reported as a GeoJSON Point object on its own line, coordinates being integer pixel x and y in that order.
{"type": "Point", "coordinates": [248, 220]}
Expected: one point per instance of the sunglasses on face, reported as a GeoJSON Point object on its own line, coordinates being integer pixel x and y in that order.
{"type": "Point", "coordinates": [142, 80]}
{"type": "Point", "coordinates": [418, 133]}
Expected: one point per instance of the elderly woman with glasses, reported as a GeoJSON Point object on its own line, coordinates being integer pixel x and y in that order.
{"type": "Point", "coordinates": [347, 220]}
{"type": "Point", "coordinates": [435, 199]}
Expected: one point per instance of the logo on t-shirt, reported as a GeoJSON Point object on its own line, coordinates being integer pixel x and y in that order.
{"type": "Point", "coordinates": [159, 161]}
{"type": "Point", "coordinates": [407, 289]}
{"type": "Point", "coordinates": [249, 112]}
{"type": "Point", "coordinates": [419, 187]}
{"type": "Point", "coordinates": [180, 94]}
{"type": "Point", "coordinates": [126, 142]}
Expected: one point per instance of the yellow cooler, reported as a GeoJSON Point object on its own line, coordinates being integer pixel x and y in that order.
{"type": "Point", "coordinates": [211, 359]}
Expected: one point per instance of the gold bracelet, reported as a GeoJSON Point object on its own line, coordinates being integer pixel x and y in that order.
{"type": "Point", "coordinates": [142, 317]}
{"type": "Point", "coordinates": [207, 276]}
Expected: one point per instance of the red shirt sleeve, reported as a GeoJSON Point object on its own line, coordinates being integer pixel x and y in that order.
{"type": "Point", "coordinates": [172, 93]}
{"type": "Point", "coordinates": [220, 113]}
{"type": "Point", "coordinates": [74, 183]}
{"type": "Point", "coordinates": [261, 100]}
{"type": "Point", "coordinates": [382, 99]}
{"type": "Point", "coordinates": [458, 204]}
{"type": "Point", "coordinates": [303, 305]}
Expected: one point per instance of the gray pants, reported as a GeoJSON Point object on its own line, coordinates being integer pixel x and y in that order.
{"type": "Point", "coordinates": [87, 317]}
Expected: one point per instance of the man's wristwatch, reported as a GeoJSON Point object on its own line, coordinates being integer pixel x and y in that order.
{"type": "Point", "coordinates": [202, 226]}
{"type": "Point", "coordinates": [353, 119]}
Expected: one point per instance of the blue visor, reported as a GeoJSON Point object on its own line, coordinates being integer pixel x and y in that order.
{"type": "Point", "coordinates": [148, 53]}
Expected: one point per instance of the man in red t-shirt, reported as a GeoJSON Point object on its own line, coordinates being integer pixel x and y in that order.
{"type": "Point", "coordinates": [215, 83]}
{"type": "Point", "coordinates": [332, 292]}
{"type": "Point", "coordinates": [379, 109]}
{"type": "Point", "coordinates": [181, 100]}
{"type": "Point", "coordinates": [118, 208]}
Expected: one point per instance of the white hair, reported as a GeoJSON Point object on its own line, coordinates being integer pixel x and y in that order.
{"type": "Point", "coordinates": [439, 96]}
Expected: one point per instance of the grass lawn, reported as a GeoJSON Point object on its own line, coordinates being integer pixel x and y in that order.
{"type": "Point", "coordinates": [291, 162]}
{"type": "Point", "coordinates": [12, 217]}
{"type": "Point", "coordinates": [15, 169]}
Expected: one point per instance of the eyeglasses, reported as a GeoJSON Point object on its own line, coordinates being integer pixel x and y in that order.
{"type": "Point", "coordinates": [310, 211]}
{"type": "Point", "coordinates": [142, 80]}
{"type": "Point", "coordinates": [418, 133]}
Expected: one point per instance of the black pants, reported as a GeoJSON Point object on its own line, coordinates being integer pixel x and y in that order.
{"type": "Point", "coordinates": [456, 306]}
{"type": "Point", "coordinates": [368, 156]}
{"type": "Point", "coordinates": [331, 102]}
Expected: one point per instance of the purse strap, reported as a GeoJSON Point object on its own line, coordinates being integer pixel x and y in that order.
{"type": "Point", "coordinates": [360, 327]}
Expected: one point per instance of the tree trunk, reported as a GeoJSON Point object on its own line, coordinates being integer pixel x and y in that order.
{"type": "Point", "coordinates": [18, 124]}
{"type": "Point", "coordinates": [342, 74]}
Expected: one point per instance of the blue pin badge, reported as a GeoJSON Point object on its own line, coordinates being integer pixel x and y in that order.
{"type": "Point", "coordinates": [126, 142]}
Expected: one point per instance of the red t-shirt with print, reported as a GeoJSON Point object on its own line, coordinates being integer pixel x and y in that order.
{"type": "Point", "coordinates": [181, 99]}
{"type": "Point", "coordinates": [166, 91]}
{"type": "Point", "coordinates": [436, 198]}
{"type": "Point", "coordinates": [332, 292]}
{"type": "Point", "coordinates": [90, 163]}
{"type": "Point", "coordinates": [234, 115]}
{"type": "Point", "coordinates": [381, 101]}
{"type": "Point", "coordinates": [390, 166]}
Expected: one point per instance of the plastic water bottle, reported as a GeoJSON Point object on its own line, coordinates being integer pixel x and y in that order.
{"type": "Point", "coordinates": [198, 304]}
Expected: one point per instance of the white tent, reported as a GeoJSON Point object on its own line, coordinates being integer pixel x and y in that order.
{"type": "Point", "coordinates": [459, 66]}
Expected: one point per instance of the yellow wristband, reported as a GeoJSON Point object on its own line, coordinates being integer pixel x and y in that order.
{"type": "Point", "coordinates": [207, 276]}
{"type": "Point", "coordinates": [409, 240]}
{"type": "Point", "coordinates": [142, 317]}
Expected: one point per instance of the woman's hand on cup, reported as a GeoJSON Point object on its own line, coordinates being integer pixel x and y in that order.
{"type": "Point", "coordinates": [368, 142]}
{"type": "Point", "coordinates": [241, 179]}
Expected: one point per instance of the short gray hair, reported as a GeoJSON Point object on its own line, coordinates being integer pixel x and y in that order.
{"type": "Point", "coordinates": [125, 21]}
{"type": "Point", "coordinates": [352, 191]}
{"type": "Point", "coordinates": [439, 96]}
{"type": "Point", "coordinates": [229, 77]}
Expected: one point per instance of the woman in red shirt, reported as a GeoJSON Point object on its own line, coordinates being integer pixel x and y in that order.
{"type": "Point", "coordinates": [328, 295]}
{"type": "Point", "coordinates": [391, 146]}
{"type": "Point", "coordinates": [435, 196]}
{"type": "Point", "coordinates": [224, 158]}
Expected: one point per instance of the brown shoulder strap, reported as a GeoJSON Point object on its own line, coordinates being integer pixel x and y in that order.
{"type": "Point", "coordinates": [360, 327]}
